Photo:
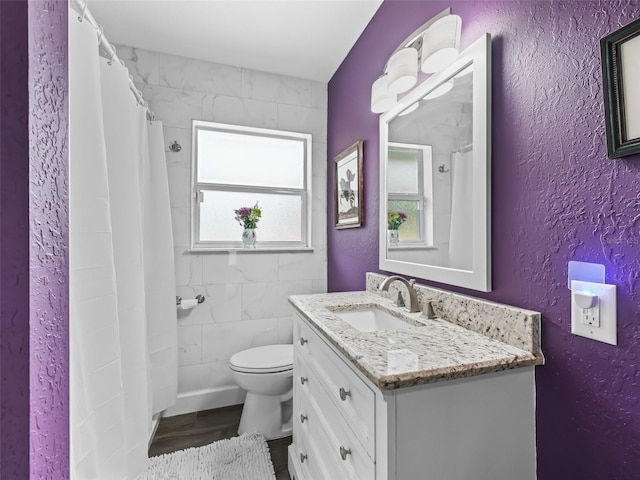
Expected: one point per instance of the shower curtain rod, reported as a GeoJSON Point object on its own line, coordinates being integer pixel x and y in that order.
{"type": "Point", "coordinates": [83, 10]}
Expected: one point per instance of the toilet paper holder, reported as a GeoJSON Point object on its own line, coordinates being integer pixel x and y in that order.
{"type": "Point", "coordinates": [199, 298]}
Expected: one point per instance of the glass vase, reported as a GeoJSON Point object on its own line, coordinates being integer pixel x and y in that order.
{"type": "Point", "coordinates": [249, 238]}
{"type": "Point", "coordinates": [393, 238]}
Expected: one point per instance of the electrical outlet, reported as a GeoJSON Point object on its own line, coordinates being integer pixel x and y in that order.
{"type": "Point", "coordinates": [598, 322]}
{"type": "Point", "coordinates": [591, 316]}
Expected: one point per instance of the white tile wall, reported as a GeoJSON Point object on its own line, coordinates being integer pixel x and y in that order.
{"type": "Point", "coordinates": [198, 76]}
{"type": "Point", "coordinates": [239, 111]}
{"type": "Point", "coordinates": [246, 293]}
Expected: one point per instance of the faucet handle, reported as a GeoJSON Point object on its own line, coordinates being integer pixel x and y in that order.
{"type": "Point", "coordinates": [412, 281]}
{"type": "Point", "coordinates": [399, 300]}
{"type": "Point", "coordinates": [428, 310]}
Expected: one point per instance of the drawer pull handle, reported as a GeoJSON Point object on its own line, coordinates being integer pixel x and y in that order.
{"type": "Point", "coordinates": [303, 418]}
{"type": "Point", "coordinates": [344, 394]}
{"type": "Point", "coordinates": [303, 341]}
{"type": "Point", "coordinates": [303, 380]}
{"type": "Point", "coordinates": [344, 452]}
{"type": "Point", "coordinates": [303, 457]}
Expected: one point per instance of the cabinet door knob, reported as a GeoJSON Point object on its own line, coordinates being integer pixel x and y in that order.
{"type": "Point", "coordinates": [303, 457]}
{"type": "Point", "coordinates": [303, 417]}
{"type": "Point", "coordinates": [303, 380]}
{"type": "Point", "coordinates": [344, 452]}
{"type": "Point", "coordinates": [344, 394]}
{"type": "Point", "coordinates": [303, 341]}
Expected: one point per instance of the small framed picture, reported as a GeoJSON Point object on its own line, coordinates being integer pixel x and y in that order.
{"type": "Point", "coordinates": [348, 187]}
{"type": "Point", "coordinates": [620, 52]}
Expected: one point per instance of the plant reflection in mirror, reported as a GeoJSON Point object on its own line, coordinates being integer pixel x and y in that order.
{"type": "Point", "coordinates": [395, 219]}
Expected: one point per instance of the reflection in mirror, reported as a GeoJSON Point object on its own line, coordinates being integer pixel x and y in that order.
{"type": "Point", "coordinates": [409, 177]}
{"type": "Point", "coordinates": [434, 176]}
{"type": "Point", "coordinates": [429, 171]}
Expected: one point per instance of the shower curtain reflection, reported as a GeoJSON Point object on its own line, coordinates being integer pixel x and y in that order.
{"type": "Point", "coordinates": [460, 232]}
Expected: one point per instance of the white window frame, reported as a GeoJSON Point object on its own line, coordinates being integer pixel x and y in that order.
{"type": "Point", "coordinates": [197, 189]}
{"type": "Point", "coordinates": [425, 184]}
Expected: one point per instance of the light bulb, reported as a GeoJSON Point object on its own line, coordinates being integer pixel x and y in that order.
{"type": "Point", "coordinates": [381, 99]}
{"type": "Point", "coordinates": [441, 43]}
{"type": "Point", "coordinates": [402, 70]}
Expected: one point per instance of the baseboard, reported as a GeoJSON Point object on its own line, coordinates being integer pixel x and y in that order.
{"type": "Point", "coordinates": [206, 399]}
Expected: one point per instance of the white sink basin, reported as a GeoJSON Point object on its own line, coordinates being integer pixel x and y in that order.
{"type": "Point", "coordinates": [372, 320]}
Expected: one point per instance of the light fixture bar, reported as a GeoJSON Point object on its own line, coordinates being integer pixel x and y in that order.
{"type": "Point", "coordinates": [424, 49]}
{"type": "Point", "coordinates": [417, 35]}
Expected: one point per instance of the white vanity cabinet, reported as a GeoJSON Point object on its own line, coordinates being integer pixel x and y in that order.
{"type": "Point", "coordinates": [476, 428]}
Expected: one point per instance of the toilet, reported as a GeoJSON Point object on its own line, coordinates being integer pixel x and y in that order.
{"type": "Point", "coordinates": [266, 373]}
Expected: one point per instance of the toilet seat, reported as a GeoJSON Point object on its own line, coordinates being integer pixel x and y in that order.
{"type": "Point", "coordinates": [267, 359]}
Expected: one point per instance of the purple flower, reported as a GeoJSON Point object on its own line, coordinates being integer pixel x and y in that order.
{"type": "Point", "coordinates": [248, 216]}
{"type": "Point", "coordinates": [243, 212]}
{"type": "Point", "coordinates": [402, 215]}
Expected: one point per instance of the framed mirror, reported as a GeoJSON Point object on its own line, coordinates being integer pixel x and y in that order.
{"type": "Point", "coordinates": [435, 151]}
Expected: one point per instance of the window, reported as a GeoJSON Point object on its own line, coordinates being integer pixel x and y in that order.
{"type": "Point", "coordinates": [235, 167]}
{"type": "Point", "coordinates": [409, 176]}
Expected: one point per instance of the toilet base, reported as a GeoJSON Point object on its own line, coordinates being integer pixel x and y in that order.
{"type": "Point", "coordinates": [264, 414]}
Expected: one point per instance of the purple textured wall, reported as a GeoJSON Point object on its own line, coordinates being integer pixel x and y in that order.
{"type": "Point", "coordinates": [556, 197]}
{"type": "Point", "coordinates": [49, 239]}
{"type": "Point", "coordinates": [33, 240]}
{"type": "Point", "coordinates": [14, 241]}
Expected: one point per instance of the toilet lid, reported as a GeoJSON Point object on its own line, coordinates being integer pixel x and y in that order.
{"type": "Point", "coordinates": [271, 358]}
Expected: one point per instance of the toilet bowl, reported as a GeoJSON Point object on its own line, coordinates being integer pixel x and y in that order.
{"type": "Point", "coordinates": [266, 373]}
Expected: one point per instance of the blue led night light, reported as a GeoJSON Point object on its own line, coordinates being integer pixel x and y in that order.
{"type": "Point", "coordinates": [585, 272]}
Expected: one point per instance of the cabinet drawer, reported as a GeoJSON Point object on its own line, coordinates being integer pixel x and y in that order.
{"type": "Point", "coordinates": [317, 417]}
{"type": "Point", "coordinates": [311, 463]}
{"type": "Point", "coordinates": [309, 424]}
{"type": "Point", "coordinates": [351, 396]}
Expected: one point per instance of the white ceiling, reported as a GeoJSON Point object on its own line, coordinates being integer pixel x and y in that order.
{"type": "Point", "coordinates": [300, 38]}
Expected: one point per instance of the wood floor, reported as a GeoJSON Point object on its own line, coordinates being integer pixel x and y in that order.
{"type": "Point", "coordinates": [201, 428]}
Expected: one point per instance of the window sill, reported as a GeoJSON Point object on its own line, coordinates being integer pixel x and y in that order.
{"type": "Point", "coordinates": [252, 250]}
{"type": "Point", "coordinates": [413, 247]}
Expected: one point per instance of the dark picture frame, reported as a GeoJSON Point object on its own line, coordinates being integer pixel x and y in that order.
{"type": "Point", "coordinates": [348, 184]}
{"type": "Point", "coordinates": [620, 51]}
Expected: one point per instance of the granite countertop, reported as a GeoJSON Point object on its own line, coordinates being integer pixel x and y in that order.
{"type": "Point", "coordinates": [427, 351]}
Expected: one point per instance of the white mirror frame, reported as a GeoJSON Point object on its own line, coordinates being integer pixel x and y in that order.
{"type": "Point", "coordinates": [479, 278]}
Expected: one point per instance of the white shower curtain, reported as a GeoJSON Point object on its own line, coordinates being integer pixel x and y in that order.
{"type": "Point", "coordinates": [112, 186]}
{"type": "Point", "coordinates": [126, 144]}
{"type": "Point", "coordinates": [461, 230]}
{"type": "Point", "coordinates": [159, 273]}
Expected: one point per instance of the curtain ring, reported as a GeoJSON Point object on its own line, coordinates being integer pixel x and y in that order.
{"type": "Point", "coordinates": [113, 55]}
{"type": "Point", "coordinates": [100, 33]}
{"type": "Point", "coordinates": [84, 9]}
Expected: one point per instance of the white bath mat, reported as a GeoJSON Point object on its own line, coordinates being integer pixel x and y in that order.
{"type": "Point", "coordinates": [240, 458]}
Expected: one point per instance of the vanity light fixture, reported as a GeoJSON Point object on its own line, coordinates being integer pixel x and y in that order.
{"type": "Point", "coordinates": [432, 47]}
{"type": "Point", "coordinates": [441, 43]}
{"type": "Point", "coordinates": [381, 99]}
{"type": "Point", "coordinates": [402, 70]}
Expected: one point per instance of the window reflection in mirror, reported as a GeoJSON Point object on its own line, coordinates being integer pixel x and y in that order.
{"type": "Point", "coordinates": [429, 176]}
{"type": "Point", "coordinates": [409, 187]}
